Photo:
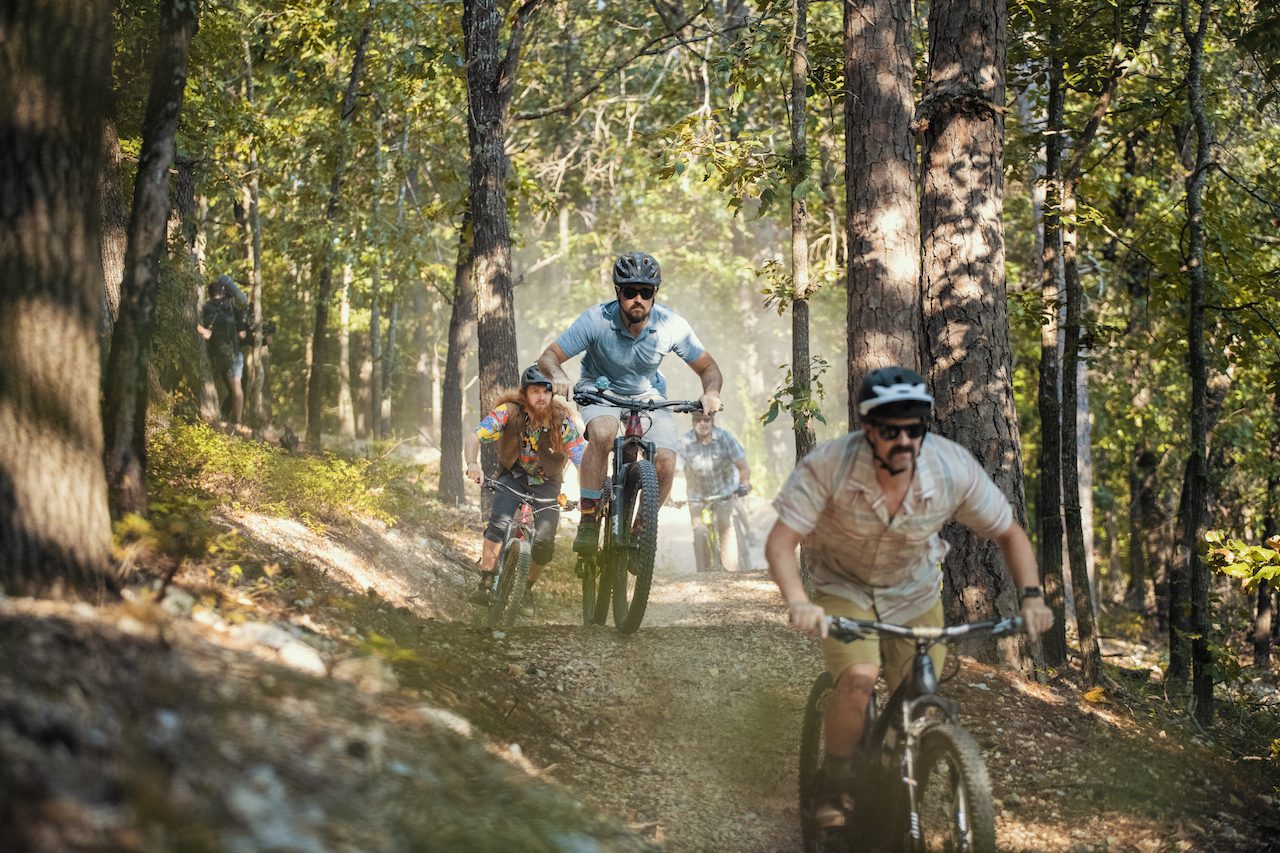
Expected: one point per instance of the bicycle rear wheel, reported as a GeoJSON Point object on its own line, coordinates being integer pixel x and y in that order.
{"type": "Point", "coordinates": [633, 553]}
{"type": "Point", "coordinates": [513, 577]}
{"type": "Point", "coordinates": [953, 793]}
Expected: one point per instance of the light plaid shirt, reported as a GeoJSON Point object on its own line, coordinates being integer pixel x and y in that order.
{"type": "Point", "coordinates": [857, 552]}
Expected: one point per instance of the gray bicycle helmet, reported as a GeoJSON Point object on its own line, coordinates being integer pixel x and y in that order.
{"type": "Point", "coordinates": [533, 376]}
{"type": "Point", "coordinates": [894, 392]}
{"type": "Point", "coordinates": [637, 268]}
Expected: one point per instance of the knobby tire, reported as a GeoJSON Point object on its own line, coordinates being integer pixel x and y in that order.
{"type": "Point", "coordinates": [513, 577]}
{"type": "Point", "coordinates": [812, 749]}
{"type": "Point", "coordinates": [702, 549]}
{"type": "Point", "coordinates": [953, 792]}
{"type": "Point", "coordinates": [742, 539]}
{"type": "Point", "coordinates": [633, 566]}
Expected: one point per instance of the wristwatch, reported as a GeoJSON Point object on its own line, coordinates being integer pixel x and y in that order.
{"type": "Point", "coordinates": [1031, 592]}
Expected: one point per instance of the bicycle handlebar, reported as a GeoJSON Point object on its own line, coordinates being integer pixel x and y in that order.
{"type": "Point", "coordinates": [847, 630]}
{"type": "Point", "coordinates": [493, 485]}
{"type": "Point", "coordinates": [586, 398]}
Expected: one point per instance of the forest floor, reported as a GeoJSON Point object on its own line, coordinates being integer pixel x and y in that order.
{"type": "Point", "coordinates": [333, 691]}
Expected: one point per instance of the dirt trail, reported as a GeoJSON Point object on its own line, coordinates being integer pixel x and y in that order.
{"type": "Point", "coordinates": [689, 729]}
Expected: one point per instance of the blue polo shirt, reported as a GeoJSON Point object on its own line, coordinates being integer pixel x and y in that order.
{"type": "Point", "coordinates": [630, 363]}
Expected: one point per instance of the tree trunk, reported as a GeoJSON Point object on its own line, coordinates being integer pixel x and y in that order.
{"type": "Point", "coordinates": [125, 385]}
{"type": "Point", "coordinates": [55, 530]}
{"type": "Point", "coordinates": [1263, 615]}
{"type": "Point", "coordinates": [1198, 572]}
{"type": "Point", "coordinates": [115, 234]}
{"type": "Point", "coordinates": [490, 81]}
{"type": "Point", "coordinates": [881, 200]}
{"type": "Point", "coordinates": [375, 295]}
{"type": "Point", "coordinates": [346, 411]}
{"type": "Point", "coordinates": [965, 315]}
{"type": "Point", "coordinates": [316, 384]}
{"type": "Point", "coordinates": [255, 392]}
{"type": "Point", "coordinates": [801, 378]}
{"type": "Point", "coordinates": [461, 322]}
{"type": "Point", "coordinates": [1090, 652]}
{"type": "Point", "coordinates": [1049, 515]}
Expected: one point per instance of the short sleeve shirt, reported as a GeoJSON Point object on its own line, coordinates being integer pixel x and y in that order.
{"type": "Point", "coordinates": [709, 468]}
{"type": "Point", "coordinates": [630, 363]}
{"type": "Point", "coordinates": [891, 565]}
{"type": "Point", "coordinates": [495, 422]}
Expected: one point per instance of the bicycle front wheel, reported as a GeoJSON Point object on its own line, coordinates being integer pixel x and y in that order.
{"type": "Point", "coordinates": [953, 793]}
{"type": "Point", "coordinates": [702, 549]}
{"type": "Point", "coordinates": [742, 540]}
{"type": "Point", "coordinates": [513, 577]}
{"type": "Point", "coordinates": [812, 749]}
{"type": "Point", "coordinates": [633, 552]}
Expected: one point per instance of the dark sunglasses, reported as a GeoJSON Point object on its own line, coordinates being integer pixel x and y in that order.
{"type": "Point", "coordinates": [645, 293]}
{"type": "Point", "coordinates": [889, 432]}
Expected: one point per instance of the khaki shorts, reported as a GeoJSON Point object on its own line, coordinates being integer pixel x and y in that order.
{"type": "Point", "coordinates": [898, 652]}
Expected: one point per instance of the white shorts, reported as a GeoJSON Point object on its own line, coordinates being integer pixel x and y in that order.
{"type": "Point", "coordinates": [659, 426]}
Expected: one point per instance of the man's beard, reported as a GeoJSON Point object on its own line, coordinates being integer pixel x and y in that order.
{"type": "Point", "coordinates": [636, 314]}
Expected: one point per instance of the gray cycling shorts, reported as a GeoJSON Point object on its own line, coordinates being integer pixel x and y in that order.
{"type": "Point", "coordinates": [660, 425]}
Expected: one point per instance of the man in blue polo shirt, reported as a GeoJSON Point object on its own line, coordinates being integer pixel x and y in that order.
{"type": "Point", "coordinates": [625, 342]}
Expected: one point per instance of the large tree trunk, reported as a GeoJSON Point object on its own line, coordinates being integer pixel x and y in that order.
{"type": "Point", "coordinates": [125, 385]}
{"type": "Point", "coordinates": [1263, 614]}
{"type": "Point", "coordinates": [882, 225]}
{"type": "Point", "coordinates": [1077, 557]}
{"type": "Point", "coordinates": [375, 295]}
{"type": "Point", "coordinates": [461, 322]}
{"type": "Point", "coordinates": [1198, 572]}
{"type": "Point", "coordinates": [317, 387]}
{"type": "Point", "coordinates": [965, 315]}
{"type": "Point", "coordinates": [802, 406]}
{"type": "Point", "coordinates": [490, 81]}
{"type": "Point", "coordinates": [55, 530]}
{"type": "Point", "coordinates": [1049, 514]}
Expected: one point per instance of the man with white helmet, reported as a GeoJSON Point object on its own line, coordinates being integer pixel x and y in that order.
{"type": "Point", "coordinates": [869, 507]}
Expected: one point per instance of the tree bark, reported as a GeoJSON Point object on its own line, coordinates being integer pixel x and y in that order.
{"type": "Point", "coordinates": [801, 377]}
{"type": "Point", "coordinates": [125, 385]}
{"type": "Point", "coordinates": [1090, 652]}
{"type": "Point", "coordinates": [317, 387]}
{"type": "Point", "coordinates": [881, 200]}
{"type": "Point", "coordinates": [461, 322]}
{"type": "Point", "coordinates": [1263, 613]}
{"type": "Point", "coordinates": [115, 234]}
{"type": "Point", "coordinates": [1198, 572]}
{"type": "Point", "coordinates": [55, 70]}
{"type": "Point", "coordinates": [346, 410]}
{"type": "Point", "coordinates": [255, 393]}
{"type": "Point", "coordinates": [375, 295]}
{"type": "Point", "coordinates": [1049, 516]}
{"type": "Point", "coordinates": [490, 84]}
{"type": "Point", "coordinates": [965, 315]}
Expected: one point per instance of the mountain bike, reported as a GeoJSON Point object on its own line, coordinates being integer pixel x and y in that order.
{"type": "Point", "coordinates": [621, 570]}
{"type": "Point", "coordinates": [923, 783]}
{"type": "Point", "coordinates": [706, 538]}
{"type": "Point", "coordinates": [511, 571]}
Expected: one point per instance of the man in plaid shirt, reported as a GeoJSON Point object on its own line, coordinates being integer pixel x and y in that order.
{"type": "Point", "coordinates": [869, 507]}
{"type": "Point", "coordinates": [714, 464]}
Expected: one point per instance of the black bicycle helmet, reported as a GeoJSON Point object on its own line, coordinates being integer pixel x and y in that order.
{"type": "Point", "coordinates": [533, 376]}
{"type": "Point", "coordinates": [637, 268]}
{"type": "Point", "coordinates": [894, 392]}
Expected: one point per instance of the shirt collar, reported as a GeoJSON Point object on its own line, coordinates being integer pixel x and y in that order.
{"type": "Point", "coordinates": [613, 311]}
{"type": "Point", "coordinates": [862, 477]}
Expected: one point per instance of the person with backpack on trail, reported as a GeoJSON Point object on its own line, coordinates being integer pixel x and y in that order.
{"type": "Point", "coordinates": [223, 328]}
{"type": "Point", "coordinates": [536, 438]}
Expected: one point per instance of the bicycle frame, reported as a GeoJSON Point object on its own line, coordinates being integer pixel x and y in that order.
{"type": "Point", "coordinates": [897, 732]}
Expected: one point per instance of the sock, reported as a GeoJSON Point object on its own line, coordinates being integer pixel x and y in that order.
{"type": "Point", "coordinates": [588, 502]}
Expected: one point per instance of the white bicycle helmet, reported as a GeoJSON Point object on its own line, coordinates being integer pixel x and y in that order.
{"type": "Point", "coordinates": [902, 391]}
